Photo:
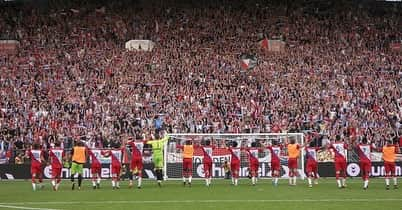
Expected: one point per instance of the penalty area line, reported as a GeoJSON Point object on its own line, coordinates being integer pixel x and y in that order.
{"type": "Point", "coordinates": [194, 201]}
{"type": "Point", "coordinates": [22, 207]}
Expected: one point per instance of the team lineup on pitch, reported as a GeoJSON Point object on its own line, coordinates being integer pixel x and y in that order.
{"type": "Point", "coordinates": [80, 153]}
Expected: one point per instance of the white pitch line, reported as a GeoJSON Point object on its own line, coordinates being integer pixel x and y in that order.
{"type": "Point", "coordinates": [203, 201]}
{"type": "Point", "coordinates": [23, 207]}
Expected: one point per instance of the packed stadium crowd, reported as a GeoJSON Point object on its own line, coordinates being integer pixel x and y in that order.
{"type": "Point", "coordinates": [72, 78]}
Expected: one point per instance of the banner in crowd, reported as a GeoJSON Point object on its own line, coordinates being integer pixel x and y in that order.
{"type": "Point", "coordinates": [140, 45]}
{"type": "Point", "coordinates": [327, 156]}
{"type": "Point", "coordinates": [396, 46]}
{"type": "Point", "coordinates": [248, 61]}
{"type": "Point", "coordinates": [272, 45]}
{"type": "Point", "coordinates": [9, 46]}
{"type": "Point", "coordinates": [10, 171]}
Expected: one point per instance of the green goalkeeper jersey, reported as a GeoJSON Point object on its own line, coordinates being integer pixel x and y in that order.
{"type": "Point", "coordinates": [157, 146]}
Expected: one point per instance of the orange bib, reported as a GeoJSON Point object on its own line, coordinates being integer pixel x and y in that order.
{"type": "Point", "coordinates": [388, 153]}
{"type": "Point", "coordinates": [79, 155]}
{"type": "Point", "coordinates": [293, 151]}
{"type": "Point", "coordinates": [188, 151]}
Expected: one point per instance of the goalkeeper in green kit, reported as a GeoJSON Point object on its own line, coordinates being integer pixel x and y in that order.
{"type": "Point", "coordinates": [157, 156]}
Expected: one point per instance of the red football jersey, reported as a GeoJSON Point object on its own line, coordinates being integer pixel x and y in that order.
{"type": "Point", "coordinates": [252, 153]}
{"type": "Point", "coordinates": [136, 149]}
{"type": "Point", "coordinates": [364, 151]}
{"type": "Point", "coordinates": [116, 155]}
{"type": "Point", "coordinates": [311, 154]}
{"type": "Point", "coordinates": [207, 153]}
{"type": "Point", "coordinates": [275, 153]}
{"type": "Point", "coordinates": [235, 152]}
{"type": "Point", "coordinates": [340, 151]}
{"type": "Point", "coordinates": [93, 157]}
{"type": "Point", "coordinates": [56, 155]}
{"type": "Point", "coordinates": [36, 156]}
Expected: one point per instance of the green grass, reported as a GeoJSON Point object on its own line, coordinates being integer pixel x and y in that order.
{"type": "Point", "coordinates": [220, 195]}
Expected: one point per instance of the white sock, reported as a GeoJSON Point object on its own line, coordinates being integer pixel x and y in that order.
{"type": "Point", "coordinates": [184, 179]}
{"type": "Point", "coordinates": [395, 181]}
{"type": "Point", "coordinates": [139, 181]}
{"type": "Point", "coordinates": [276, 180]}
{"type": "Point", "coordinates": [294, 180]}
{"type": "Point", "coordinates": [290, 180]}
{"type": "Point", "coordinates": [209, 180]}
{"type": "Point", "coordinates": [310, 182]}
{"type": "Point", "coordinates": [387, 181]}
{"type": "Point", "coordinates": [253, 180]}
{"type": "Point", "coordinates": [206, 182]}
{"type": "Point", "coordinates": [113, 183]}
{"type": "Point", "coordinates": [235, 182]}
{"type": "Point", "coordinates": [189, 179]}
{"type": "Point", "coordinates": [339, 182]}
{"type": "Point", "coordinates": [34, 186]}
{"type": "Point", "coordinates": [343, 182]}
{"type": "Point", "coordinates": [117, 183]}
{"type": "Point", "coordinates": [366, 183]}
{"type": "Point", "coordinates": [93, 183]}
{"type": "Point", "coordinates": [54, 182]}
{"type": "Point", "coordinates": [98, 180]}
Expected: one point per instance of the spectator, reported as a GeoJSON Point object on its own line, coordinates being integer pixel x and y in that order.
{"type": "Point", "coordinates": [70, 78]}
{"type": "Point", "coordinates": [19, 159]}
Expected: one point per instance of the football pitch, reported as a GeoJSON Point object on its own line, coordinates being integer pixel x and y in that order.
{"type": "Point", "coordinates": [220, 195]}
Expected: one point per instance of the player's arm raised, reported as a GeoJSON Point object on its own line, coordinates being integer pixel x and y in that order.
{"type": "Point", "coordinates": [305, 144]}
{"type": "Point", "coordinates": [213, 145]}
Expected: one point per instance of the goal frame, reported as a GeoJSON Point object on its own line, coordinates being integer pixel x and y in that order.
{"type": "Point", "coordinates": [165, 149]}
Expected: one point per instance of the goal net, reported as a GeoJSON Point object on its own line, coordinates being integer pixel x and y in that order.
{"type": "Point", "coordinates": [220, 153]}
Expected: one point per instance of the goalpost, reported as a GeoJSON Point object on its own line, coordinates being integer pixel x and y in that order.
{"type": "Point", "coordinates": [173, 156]}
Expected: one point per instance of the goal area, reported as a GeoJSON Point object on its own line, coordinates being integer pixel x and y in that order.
{"type": "Point", "coordinates": [220, 153]}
